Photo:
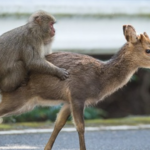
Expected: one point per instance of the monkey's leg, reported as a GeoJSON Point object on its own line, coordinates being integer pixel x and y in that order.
{"type": "Point", "coordinates": [60, 122]}
{"type": "Point", "coordinates": [77, 114]}
{"type": "Point", "coordinates": [14, 78]}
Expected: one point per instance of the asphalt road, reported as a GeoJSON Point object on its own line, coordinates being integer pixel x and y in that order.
{"type": "Point", "coordinates": [95, 140]}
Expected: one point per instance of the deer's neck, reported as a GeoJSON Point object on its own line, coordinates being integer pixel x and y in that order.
{"type": "Point", "coordinates": [117, 71]}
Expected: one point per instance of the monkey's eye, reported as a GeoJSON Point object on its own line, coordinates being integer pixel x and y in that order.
{"type": "Point", "coordinates": [147, 50]}
{"type": "Point", "coordinates": [52, 22]}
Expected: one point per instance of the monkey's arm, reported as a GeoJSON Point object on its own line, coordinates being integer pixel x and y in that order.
{"type": "Point", "coordinates": [34, 62]}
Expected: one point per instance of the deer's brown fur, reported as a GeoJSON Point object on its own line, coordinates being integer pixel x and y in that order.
{"type": "Point", "coordinates": [90, 81]}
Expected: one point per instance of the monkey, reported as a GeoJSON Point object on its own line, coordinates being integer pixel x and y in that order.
{"type": "Point", "coordinates": [23, 50]}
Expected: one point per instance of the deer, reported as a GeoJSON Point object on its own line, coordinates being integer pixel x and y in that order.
{"type": "Point", "coordinates": [90, 81]}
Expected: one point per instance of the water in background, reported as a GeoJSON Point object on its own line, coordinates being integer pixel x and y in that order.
{"type": "Point", "coordinates": [87, 26]}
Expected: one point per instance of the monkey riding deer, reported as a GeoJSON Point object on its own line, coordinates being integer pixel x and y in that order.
{"type": "Point", "coordinates": [24, 49]}
{"type": "Point", "coordinates": [90, 81]}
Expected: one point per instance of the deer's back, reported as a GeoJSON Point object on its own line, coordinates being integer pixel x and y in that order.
{"type": "Point", "coordinates": [82, 82]}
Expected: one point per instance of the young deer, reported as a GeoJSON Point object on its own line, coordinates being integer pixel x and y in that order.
{"type": "Point", "coordinates": [90, 81]}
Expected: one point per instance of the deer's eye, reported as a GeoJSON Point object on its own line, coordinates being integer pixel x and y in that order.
{"type": "Point", "coordinates": [147, 50]}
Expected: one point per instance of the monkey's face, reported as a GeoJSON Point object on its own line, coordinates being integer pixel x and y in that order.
{"type": "Point", "coordinates": [52, 30]}
{"type": "Point", "coordinates": [48, 25]}
{"type": "Point", "coordinates": [45, 21]}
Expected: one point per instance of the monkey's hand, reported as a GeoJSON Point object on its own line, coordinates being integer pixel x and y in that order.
{"type": "Point", "coordinates": [62, 74]}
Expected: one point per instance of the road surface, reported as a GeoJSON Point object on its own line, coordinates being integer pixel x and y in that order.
{"type": "Point", "coordinates": [95, 140]}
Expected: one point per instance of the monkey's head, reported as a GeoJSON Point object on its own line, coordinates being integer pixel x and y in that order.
{"type": "Point", "coordinates": [45, 21]}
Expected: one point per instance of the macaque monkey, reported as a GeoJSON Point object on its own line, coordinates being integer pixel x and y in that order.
{"type": "Point", "coordinates": [23, 50]}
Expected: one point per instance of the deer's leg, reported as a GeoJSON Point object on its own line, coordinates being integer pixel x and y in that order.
{"type": "Point", "coordinates": [9, 107]}
{"type": "Point", "coordinates": [5, 108]}
{"type": "Point", "coordinates": [60, 122]}
{"type": "Point", "coordinates": [78, 118]}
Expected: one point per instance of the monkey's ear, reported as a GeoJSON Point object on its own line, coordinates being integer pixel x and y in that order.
{"type": "Point", "coordinates": [37, 20]}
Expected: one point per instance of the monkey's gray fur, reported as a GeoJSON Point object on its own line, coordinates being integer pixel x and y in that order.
{"type": "Point", "coordinates": [23, 50]}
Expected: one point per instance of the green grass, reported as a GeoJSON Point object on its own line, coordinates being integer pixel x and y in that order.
{"type": "Point", "coordinates": [26, 125]}
{"type": "Point", "coordinates": [121, 121]}
{"type": "Point", "coordinates": [5, 127]}
{"type": "Point", "coordinates": [95, 122]}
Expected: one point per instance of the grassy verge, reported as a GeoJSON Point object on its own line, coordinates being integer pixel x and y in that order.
{"type": "Point", "coordinates": [96, 122]}
{"type": "Point", "coordinates": [121, 121]}
{"type": "Point", "coordinates": [25, 125]}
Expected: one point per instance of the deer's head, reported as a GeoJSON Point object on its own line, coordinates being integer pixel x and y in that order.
{"type": "Point", "coordinates": [139, 46]}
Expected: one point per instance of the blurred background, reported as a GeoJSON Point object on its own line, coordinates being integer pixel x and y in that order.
{"type": "Point", "coordinates": [92, 27]}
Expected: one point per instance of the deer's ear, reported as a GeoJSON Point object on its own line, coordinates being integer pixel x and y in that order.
{"type": "Point", "coordinates": [144, 38]}
{"type": "Point", "coordinates": [146, 35]}
{"type": "Point", "coordinates": [130, 33]}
